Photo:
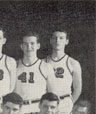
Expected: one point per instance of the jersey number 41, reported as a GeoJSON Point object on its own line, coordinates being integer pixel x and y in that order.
{"type": "Point", "coordinates": [23, 77]}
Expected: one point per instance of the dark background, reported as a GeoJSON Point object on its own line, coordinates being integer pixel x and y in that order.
{"type": "Point", "coordinates": [78, 18]}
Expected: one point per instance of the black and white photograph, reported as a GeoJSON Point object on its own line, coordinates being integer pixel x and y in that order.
{"type": "Point", "coordinates": [47, 56]}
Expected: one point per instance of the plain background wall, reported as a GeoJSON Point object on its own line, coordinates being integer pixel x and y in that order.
{"type": "Point", "coordinates": [78, 18]}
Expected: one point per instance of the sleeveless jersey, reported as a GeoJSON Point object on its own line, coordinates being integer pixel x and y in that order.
{"type": "Point", "coordinates": [62, 82]}
{"type": "Point", "coordinates": [31, 83]}
{"type": "Point", "coordinates": [4, 76]}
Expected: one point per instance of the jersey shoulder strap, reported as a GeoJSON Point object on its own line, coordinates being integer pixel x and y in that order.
{"type": "Point", "coordinates": [6, 63]}
{"type": "Point", "coordinates": [41, 69]}
{"type": "Point", "coordinates": [69, 66]}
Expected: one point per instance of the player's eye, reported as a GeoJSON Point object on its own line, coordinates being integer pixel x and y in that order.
{"type": "Point", "coordinates": [61, 37]}
{"type": "Point", "coordinates": [45, 106]}
{"type": "Point", "coordinates": [32, 43]}
{"type": "Point", "coordinates": [15, 109]}
{"type": "Point", "coordinates": [52, 107]}
{"type": "Point", "coordinates": [7, 107]}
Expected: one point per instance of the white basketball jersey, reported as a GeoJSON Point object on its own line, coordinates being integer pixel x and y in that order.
{"type": "Point", "coordinates": [31, 83]}
{"type": "Point", "coordinates": [4, 76]}
{"type": "Point", "coordinates": [62, 82]}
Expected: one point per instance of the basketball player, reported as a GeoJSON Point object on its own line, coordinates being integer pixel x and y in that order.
{"type": "Point", "coordinates": [7, 70]}
{"type": "Point", "coordinates": [12, 103]}
{"type": "Point", "coordinates": [67, 72]}
{"type": "Point", "coordinates": [49, 104]}
{"type": "Point", "coordinates": [31, 73]}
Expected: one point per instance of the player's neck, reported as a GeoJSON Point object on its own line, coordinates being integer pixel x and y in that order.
{"type": "Point", "coordinates": [29, 60]}
{"type": "Point", "coordinates": [58, 54]}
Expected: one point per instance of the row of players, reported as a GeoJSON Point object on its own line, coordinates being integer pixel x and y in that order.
{"type": "Point", "coordinates": [12, 104]}
{"type": "Point", "coordinates": [48, 104]}
{"type": "Point", "coordinates": [33, 77]}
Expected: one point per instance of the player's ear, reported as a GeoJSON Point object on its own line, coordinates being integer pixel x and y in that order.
{"type": "Point", "coordinates": [4, 40]}
{"type": "Point", "coordinates": [38, 45]}
{"type": "Point", "coordinates": [67, 41]}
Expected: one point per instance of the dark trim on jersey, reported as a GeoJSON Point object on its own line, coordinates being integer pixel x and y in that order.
{"type": "Point", "coordinates": [68, 66]}
{"type": "Point", "coordinates": [1, 56]}
{"type": "Point", "coordinates": [29, 65]}
{"type": "Point", "coordinates": [41, 71]}
{"type": "Point", "coordinates": [6, 64]}
{"type": "Point", "coordinates": [58, 59]}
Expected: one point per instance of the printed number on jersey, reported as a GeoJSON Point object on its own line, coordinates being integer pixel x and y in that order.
{"type": "Point", "coordinates": [59, 72]}
{"type": "Point", "coordinates": [23, 77]}
{"type": "Point", "coordinates": [1, 74]}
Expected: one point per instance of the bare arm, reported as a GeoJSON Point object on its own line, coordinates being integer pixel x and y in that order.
{"type": "Point", "coordinates": [77, 80]}
{"type": "Point", "coordinates": [12, 69]}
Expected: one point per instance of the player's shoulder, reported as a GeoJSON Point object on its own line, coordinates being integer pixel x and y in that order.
{"type": "Point", "coordinates": [46, 67]}
{"type": "Point", "coordinates": [10, 60]}
{"type": "Point", "coordinates": [74, 62]}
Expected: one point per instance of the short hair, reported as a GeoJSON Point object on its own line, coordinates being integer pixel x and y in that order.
{"type": "Point", "coordinates": [14, 98]}
{"type": "Point", "coordinates": [61, 30]}
{"type": "Point", "coordinates": [50, 97]}
{"type": "Point", "coordinates": [31, 33]}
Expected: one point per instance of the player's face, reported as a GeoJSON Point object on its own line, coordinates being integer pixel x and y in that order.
{"type": "Point", "coordinates": [48, 107]}
{"type": "Point", "coordinates": [80, 110]}
{"type": "Point", "coordinates": [11, 108]}
{"type": "Point", "coordinates": [2, 40]}
{"type": "Point", "coordinates": [30, 46]}
{"type": "Point", "coordinates": [59, 40]}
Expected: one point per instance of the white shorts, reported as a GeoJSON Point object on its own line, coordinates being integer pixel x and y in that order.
{"type": "Point", "coordinates": [66, 105]}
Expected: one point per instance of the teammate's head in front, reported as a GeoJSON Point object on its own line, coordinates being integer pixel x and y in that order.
{"type": "Point", "coordinates": [59, 40]}
{"type": "Point", "coordinates": [49, 103]}
{"type": "Point", "coordinates": [2, 39]}
{"type": "Point", "coordinates": [30, 44]}
{"type": "Point", "coordinates": [82, 107]}
{"type": "Point", "coordinates": [12, 103]}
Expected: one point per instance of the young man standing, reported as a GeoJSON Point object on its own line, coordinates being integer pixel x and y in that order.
{"type": "Point", "coordinates": [32, 73]}
{"type": "Point", "coordinates": [49, 104]}
{"type": "Point", "coordinates": [7, 70]}
{"type": "Point", "coordinates": [67, 73]}
{"type": "Point", "coordinates": [12, 103]}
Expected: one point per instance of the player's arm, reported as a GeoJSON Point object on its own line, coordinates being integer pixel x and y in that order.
{"type": "Point", "coordinates": [77, 80]}
{"type": "Point", "coordinates": [12, 67]}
